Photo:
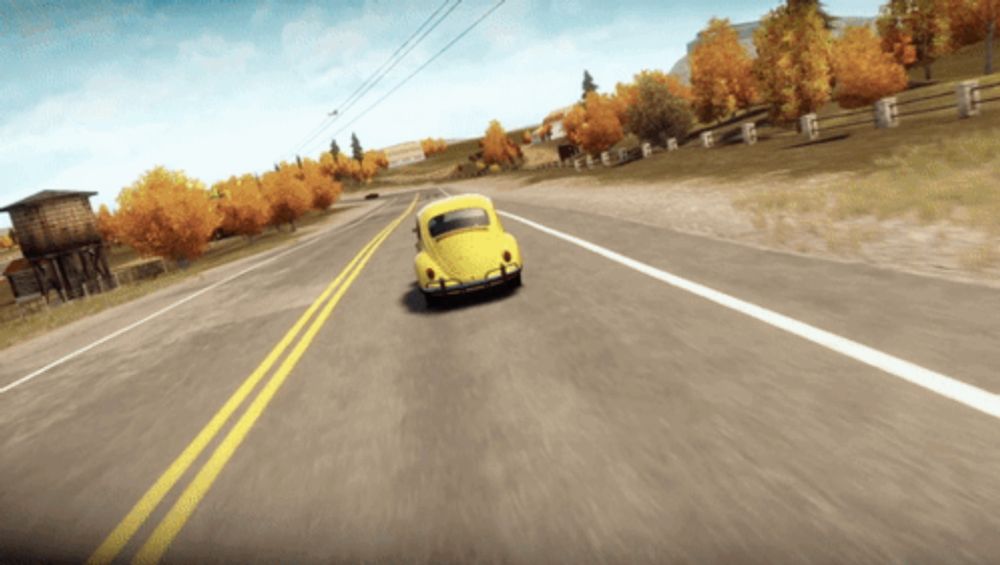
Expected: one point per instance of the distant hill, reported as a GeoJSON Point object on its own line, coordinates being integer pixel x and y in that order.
{"type": "Point", "coordinates": [682, 69]}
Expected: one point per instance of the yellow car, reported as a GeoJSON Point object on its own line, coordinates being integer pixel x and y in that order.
{"type": "Point", "coordinates": [463, 248]}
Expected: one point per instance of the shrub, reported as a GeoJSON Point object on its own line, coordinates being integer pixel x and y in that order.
{"type": "Point", "coordinates": [657, 114]}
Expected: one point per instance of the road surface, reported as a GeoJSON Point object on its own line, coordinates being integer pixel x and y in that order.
{"type": "Point", "coordinates": [596, 415]}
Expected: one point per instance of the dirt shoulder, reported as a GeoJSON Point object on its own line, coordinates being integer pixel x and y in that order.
{"type": "Point", "coordinates": [715, 209]}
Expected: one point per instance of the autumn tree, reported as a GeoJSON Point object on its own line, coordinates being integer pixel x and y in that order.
{"type": "Point", "coordinates": [431, 146]}
{"type": "Point", "coordinates": [722, 79]}
{"type": "Point", "coordinates": [793, 61]}
{"type": "Point", "coordinates": [497, 147]}
{"type": "Point", "coordinates": [357, 152]}
{"type": "Point", "coordinates": [971, 21]}
{"type": "Point", "coordinates": [322, 186]}
{"type": "Point", "coordinates": [594, 125]}
{"type": "Point", "coordinates": [658, 114]}
{"type": "Point", "coordinates": [922, 23]}
{"type": "Point", "coordinates": [6, 242]}
{"type": "Point", "coordinates": [287, 194]}
{"type": "Point", "coordinates": [370, 164]}
{"type": "Point", "coordinates": [588, 85]}
{"type": "Point", "coordinates": [242, 205]}
{"type": "Point", "coordinates": [863, 72]}
{"type": "Point", "coordinates": [107, 225]}
{"type": "Point", "coordinates": [627, 93]}
{"type": "Point", "coordinates": [168, 214]}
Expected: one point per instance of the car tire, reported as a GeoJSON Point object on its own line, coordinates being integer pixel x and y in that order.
{"type": "Point", "coordinates": [515, 282]}
{"type": "Point", "coordinates": [433, 302]}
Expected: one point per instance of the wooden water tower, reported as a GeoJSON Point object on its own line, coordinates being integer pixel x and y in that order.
{"type": "Point", "coordinates": [57, 233]}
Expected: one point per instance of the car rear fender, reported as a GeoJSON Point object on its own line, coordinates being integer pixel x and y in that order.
{"type": "Point", "coordinates": [421, 263]}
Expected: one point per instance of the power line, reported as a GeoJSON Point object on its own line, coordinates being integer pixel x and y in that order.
{"type": "Point", "coordinates": [352, 99]}
{"type": "Point", "coordinates": [382, 70]}
{"type": "Point", "coordinates": [423, 66]}
{"type": "Point", "coordinates": [403, 56]}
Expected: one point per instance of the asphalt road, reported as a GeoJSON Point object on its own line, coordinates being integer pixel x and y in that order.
{"type": "Point", "coordinates": [596, 415]}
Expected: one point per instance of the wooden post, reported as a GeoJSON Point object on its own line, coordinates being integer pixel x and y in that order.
{"type": "Point", "coordinates": [61, 277]}
{"type": "Point", "coordinates": [43, 288]}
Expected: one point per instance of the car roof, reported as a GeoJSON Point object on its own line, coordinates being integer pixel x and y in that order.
{"type": "Point", "coordinates": [455, 202]}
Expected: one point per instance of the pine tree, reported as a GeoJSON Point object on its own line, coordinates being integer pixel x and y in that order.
{"type": "Point", "coordinates": [334, 148]}
{"type": "Point", "coordinates": [356, 150]}
{"type": "Point", "coordinates": [588, 84]}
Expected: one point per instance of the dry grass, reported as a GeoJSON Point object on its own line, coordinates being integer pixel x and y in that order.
{"type": "Point", "coordinates": [956, 180]}
{"type": "Point", "coordinates": [981, 258]}
{"type": "Point", "coordinates": [14, 329]}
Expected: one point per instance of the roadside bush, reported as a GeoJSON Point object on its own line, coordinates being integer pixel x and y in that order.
{"type": "Point", "coordinates": [864, 72]}
{"type": "Point", "coordinates": [241, 204]}
{"type": "Point", "coordinates": [287, 194]}
{"type": "Point", "coordinates": [595, 125]}
{"type": "Point", "coordinates": [657, 114]}
{"type": "Point", "coordinates": [497, 147]}
{"type": "Point", "coordinates": [168, 214]}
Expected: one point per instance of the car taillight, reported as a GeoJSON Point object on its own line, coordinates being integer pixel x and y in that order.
{"type": "Point", "coordinates": [430, 273]}
{"type": "Point", "coordinates": [506, 256]}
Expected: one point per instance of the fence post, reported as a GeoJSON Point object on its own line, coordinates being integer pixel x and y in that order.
{"type": "Point", "coordinates": [590, 161]}
{"type": "Point", "coordinates": [606, 159]}
{"type": "Point", "coordinates": [707, 139]}
{"type": "Point", "coordinates": [672, 144]}
{"type": "Point", "coordinates": [968, 98]}
{"type": "Point", "coordinates": [647, 149]}
{"type": "Point", "coordinates": [749, 131]}
{"type": "Point", "coordinates": [886, 113]}
{"type": "Point", "coordinates": [576, 165]}
{"type": "Point", "coordinates": [809, 126]}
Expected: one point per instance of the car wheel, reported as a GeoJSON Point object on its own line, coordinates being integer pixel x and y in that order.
{"type": "Point", "coordinates": [433, 302]}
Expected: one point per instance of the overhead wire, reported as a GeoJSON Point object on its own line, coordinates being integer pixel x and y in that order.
{"type": "Point", "coordinates": [419, 69]}
{"type": "Point", "coordinates": [383, 69]}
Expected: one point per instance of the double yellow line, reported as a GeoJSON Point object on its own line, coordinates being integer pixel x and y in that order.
{"type": "Point", "coordinates": [158, 542]}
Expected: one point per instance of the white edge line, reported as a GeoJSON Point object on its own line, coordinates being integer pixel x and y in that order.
{"type": "Point", "coordinates": [166, 309]}
{"type": "Point", "coordinates": [969, 395]}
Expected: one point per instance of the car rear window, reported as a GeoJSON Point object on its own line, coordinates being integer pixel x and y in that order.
{"type": "Point", "coordinates": [457, 219]}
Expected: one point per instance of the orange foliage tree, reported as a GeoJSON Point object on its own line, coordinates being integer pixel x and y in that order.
{"type": "Point", "coordinates": [242, 205]}
{"type": "Point", "coordinates": [6, 242]}
{"type": "Point", "coordinates": [165, 213]}
{"type": "Point", "coordinates": [370, 164]}
{"type": "Point", "coordinates": [497, 147]}
{"type": "Point", "coordinates": [319, 180]}
{"type": "Point", "coordinates": [432, 146]}
{"type": "Point", "coordinates": [722, 79]}
{"type": "Point", "coordinates": [287, 194]}
{"type": "Point", "coordinates": [923, 24]}
{"type": "Point", "coordinates": [971, 21]}
{"type": "Point", "coordinates": [107, 225]}
{"type": "Point", "coordinates": [793, 60]}
{"type": "Point", "coordinates": [862, 70]}
{"type": "Point", "coordinates": [595, 125]}
{"type": "Point", "coordinates": [626, 94]}
{"type": "Point", "coordinates": [342, 166]}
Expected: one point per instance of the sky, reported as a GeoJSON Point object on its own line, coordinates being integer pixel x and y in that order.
{"type": "Point", "coordinates": [96, 93]}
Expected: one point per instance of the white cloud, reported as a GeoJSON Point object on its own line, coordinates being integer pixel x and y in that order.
{"type": "Point", "coordinates": [214, 54]}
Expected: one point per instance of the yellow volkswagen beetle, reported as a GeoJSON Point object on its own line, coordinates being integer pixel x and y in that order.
{"type": "Point", "coordinates": [462, 247]}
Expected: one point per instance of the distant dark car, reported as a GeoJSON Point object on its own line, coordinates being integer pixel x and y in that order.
{"type": "Point", "coordinates": [371, 196]}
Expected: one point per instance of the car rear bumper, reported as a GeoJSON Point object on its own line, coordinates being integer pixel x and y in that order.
{"type": "Point", "coordinates": [494, 278]}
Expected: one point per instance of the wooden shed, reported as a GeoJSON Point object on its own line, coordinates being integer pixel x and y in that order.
{"type": "Point", "coordinates": [58, 236]}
